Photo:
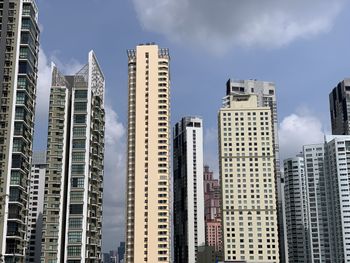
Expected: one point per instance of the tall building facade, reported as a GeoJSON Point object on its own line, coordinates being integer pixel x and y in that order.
{"type": "Point", "coordinates": [337, 171]}
{"type": "Point", "coordinates": [35, 206]}
{"type": "Point", "coordinates": [74, 175]}
{"type": "Point", "coordinates": [266, 95]}
{"type": "Point", "coordinates": [339, 103]}
{"type": "Point", "coordinates": [296, 209]}
{"type": "Point", "coordinates": [19, 47]}
{"type": "Point", "coordinates": [148, 234]}
{"type": "Point", "coordinates": [248, 179]}
{"type": "Point", "coordinates": [189, 228]}
{"type": "Point", "coordinates": [318, 235]}
{"type": "Point", "coordinates": [212, 210]}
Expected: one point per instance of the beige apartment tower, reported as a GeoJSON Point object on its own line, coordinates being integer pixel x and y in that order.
{"type": "Point", "coordinates": [148, 171]}
{"type": "Point", "coordinates": [247, 173]}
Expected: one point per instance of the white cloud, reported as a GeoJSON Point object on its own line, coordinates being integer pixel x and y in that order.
{"type": "Point", "coordinates": [43, 88]}
{"type": "Point", "coordinates": [296, 130]}
{"type": "Point", "coordinates": [114, 181]}
{"type": "Point", "coordinates": [219, 25]}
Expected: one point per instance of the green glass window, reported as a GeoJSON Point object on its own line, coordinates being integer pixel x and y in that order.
{"type": "Point", "coordinates": [76, 196]}
{"type": "Point", "coordinates": [81, 94]}
{"type": "Point", "coordinates": [16, 178]}
{"type": "Point", "coordinates": [80, 118]}
{"type": "Point", "coordinates": [78, 182]}
{"type": "Point", "coordinates": [74, 251]}
{"type": "Point", "coordinates": [21, 98]}
{"type": "Point", "coordinates": [78, 168]}
{"type": "Point", "coordinates": [80, 106]}
{"type": "Point", "coordinates": [78, 156]}
{"type": "Point", "coordinates": [22, 83]}
{"type": "Point", "coordinates": [78, 144]}
{"type": "Point", "coordinates": [75, 223]}
{"type": "Point", "coordinates": [74, 237]}
{"type": "Point", "coordinates": [79, 131]}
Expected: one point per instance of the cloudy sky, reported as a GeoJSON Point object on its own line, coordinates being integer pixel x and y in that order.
{"type": "Point", "coordinates": [302, 46]}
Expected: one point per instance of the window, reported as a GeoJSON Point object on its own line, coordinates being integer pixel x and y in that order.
{"type": "Point", "coordinates": [76, 196]}
{"type": "Point", "coordinates": [73, 251]}
{"type": "Point", "coordinates": [78, 156]}
{"type": "Point", "coordinates": [78, 168]}
{"type": "Point", "coordinates": [78, 144]}
{"type": "Point", "coordinates": [75, 209]}
{"type": "Point", "coordinates": [21, 98]}
{"type": "Point", "coordinates": [75, 223]}
{"type": "Point", "coordinates": [20, 113]}
{"type": "Point", "coordinates": [80, 118]}
{"type": "Point", "coordinates": [78, 182]}
{"type": "Point", "coordinates": [80, 106]}
{"type": "Point", "coordinates": [74, 237]}
{"type": "Point", "coordinates": [79, 131]}
{"type": "Point", "coordinates": [81, 94]}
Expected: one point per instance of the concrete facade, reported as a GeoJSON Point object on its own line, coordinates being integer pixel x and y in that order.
{"type": "Point", "coordinates": [19, 47]}
{"type": "Point", "coordinates": [74, 175]}
{"type": "Point", "coordinates": [296, 209]}
{"type": "Point", "coordinates": [36, 206]}
{"type": "Point", "coordinates": [189, 227]}
{"type": "Point", "coordinates": [148, 234]}
{"type": "Point", "coordinates": [248, 180]}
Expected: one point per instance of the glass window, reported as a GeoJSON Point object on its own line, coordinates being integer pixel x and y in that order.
{"type": "Point", "coordinates": [76, 196]}
{"type": "Point", "coordinates": [74, 237]}
{"type": "Point", "coordinates": [78, 156]}
{"type": "Point", "coordinates": [22, 82]}
{"type": "Point", "coordinates": [21, 98]}
{"type": "Point", "coordinates": [80, 118]}
{"type": "Point", "coordinates": [78, 144]}
{"type": "Point", "coordinates": [78, 182]}
{"type": "Point", "coordinates": [78, 168]}
{"type": "Point", "coordinates": [80, 106]}
{"type": "Point", "coordinates": [75, 222]}
{"type": "Point", "coordinates": [79, 131]}
{"type": "Point", "coordinates": [20, 113]}
{"type": "Point", "coordinates": [76, 209]}
{"type": "Point", "coordinates": [73, 251]}
{"type": "Point", "coordinates": [81, 94]}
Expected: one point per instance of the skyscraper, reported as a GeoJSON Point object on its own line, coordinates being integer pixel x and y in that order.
{"type": "Point", "coordinates": [296, 209]}
{"type": "Point", "coordinates": [74, 175]}
{"type": "Point", "coordinates": [148, 164]}
{"type": "Point", "coordinates": [316, 203]}
{"type": "Point", "coordinates": [337, 171]}
{"type": "Point", "coordinates": [212, 210]}
{"type": "Point", "coordinates": [267, 98]}
{"type": "Point", "coordinates": [248, 177]}
{"type": "Point", "coordinates": [189, 228]}
{"type": "Point", "coordinates": [339, 103]}
{"type": "Point", "coordinates": [35, 207]}
{"type": "Point", "coordinates": [19, 46]}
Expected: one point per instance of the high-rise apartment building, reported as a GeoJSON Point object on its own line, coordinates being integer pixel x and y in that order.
{"type": "Point", "coordinates": [339, 103]}
{"type": "Point", "coordinates": [35, 206]}
{"type": "Point", "coordinates": [266, 94]}
{"type": "Point", "coordinates": [74, 174]}
{"type": "Point", "coordinates": [212, 210]}
{"type": "Point", "coordinates": [248, 179]}
{"type": "Point", "coordinates": [318, 234]}
{"type": "Point", "coordinates": [337, 171]}
{"type": "Point", "coordinates": [296, 209]}
{"type": "Point", "coordinates": [189, 227]}
{"type": "Point", "coordinates": [19, 46]}
{"type": "Point", "coordinates": [148, 165]}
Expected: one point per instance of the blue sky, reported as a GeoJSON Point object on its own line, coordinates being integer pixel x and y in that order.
{"type": "Point", "coordinates": [302, 47]}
